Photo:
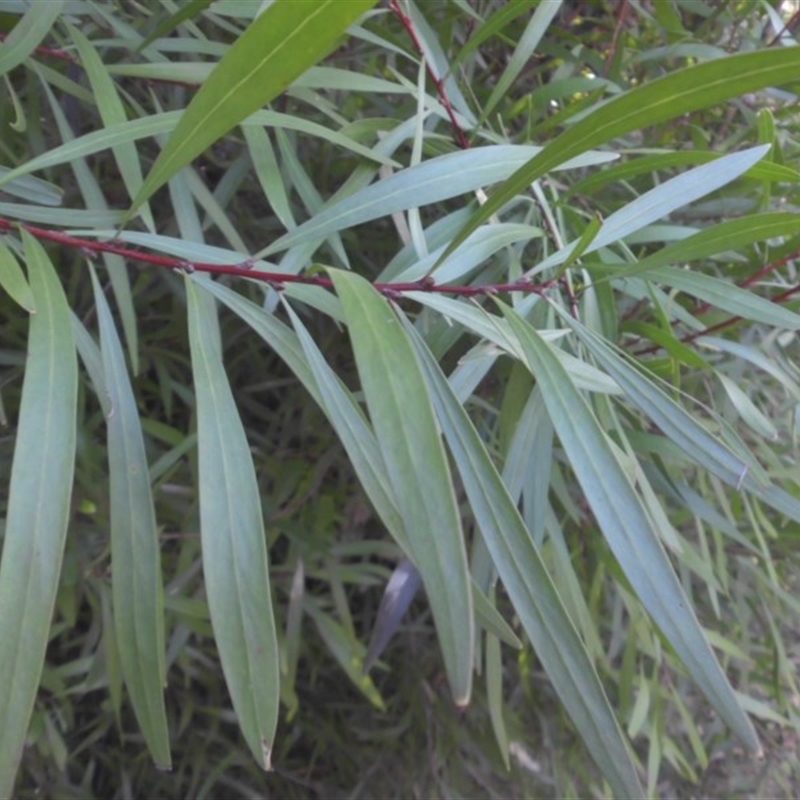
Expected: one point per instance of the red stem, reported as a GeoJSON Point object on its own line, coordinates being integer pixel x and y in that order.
{"type": "Point", "coordinates": [276, 279]}
{"type": "Point", "coordinates": [408, 24]}
{"type": "Point", "coordinates": [726, 323]}
{"type": "Point", "coordinates": [392, 290]}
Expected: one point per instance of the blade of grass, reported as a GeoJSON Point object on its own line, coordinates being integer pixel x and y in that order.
{"type": "Point", "coordinates": [28, 33]}
{"type": "Point", "coordinates": [189, 10]}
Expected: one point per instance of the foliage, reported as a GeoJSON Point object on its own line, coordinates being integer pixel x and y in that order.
{"type": "Point", "coordinates": [500, 301]}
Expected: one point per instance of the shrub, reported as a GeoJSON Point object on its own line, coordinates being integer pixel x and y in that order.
{"type": "Point", "coordinates": [500, 303]}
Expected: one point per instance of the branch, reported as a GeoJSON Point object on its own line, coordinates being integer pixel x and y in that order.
{"type": "Point", "coordinates": [277, 280]}
{"type": "Point", "coordinates": [408, 24]}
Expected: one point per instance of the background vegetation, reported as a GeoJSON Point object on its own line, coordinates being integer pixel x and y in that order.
{"type": "Point", "coordinates": [415, 430]}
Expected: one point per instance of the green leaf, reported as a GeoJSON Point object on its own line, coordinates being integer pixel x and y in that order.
{"type": "Point", "coordinates": [189, 10]}
{"type": "Point", "coordinates": [626, 524]}
{"type": "Point", "coordinates": [279, 46]}
{"type": "Point", "coordinates": [115, 264]}
{"type": "Point", "coordinates": [354, 433]}
{"type": "Point", "coordinates": [28, 33]}
{"type": "Point", "coordinates": [411, 445]}
{"type": "Point", "coordinates": [12, 279]}
{"type": "Point", "coordinates": [33, 190]}
{"type": "Point", "coordinates": [112, 112]}
{"type": "Point", "coordinates": [96, 141]}
{"type": "Point", "coordinates": [303, 357]}
{"type": "Point", "coordinates": [494, 695]}
{"type": "Point", "coordinates": [764, 170]}
{"type": "Point", "coordinates": [92, 360]}
{"type": "Point", "coordinates": [233, 542]}
{"type": "Point", "coordinates": [529, 586]}
{"type": "Point", "coordinates": [730, 235]}
{"type": "Point", "coordinates": [492, 26]}
{"type": "Point", "coordinates": [665, 98]}
{"type": "Point", "coordinates": [138, 594]}
{"type": "Point", "coordinates": [665, 339]}
{"type": "Point", "coordinates": [434, 180]}
{"type": "Point", "coordinates": [491, 620]}
{"type": "Point", "coordinates": [38, 505]}
{"type": "Point", "coordinates": [349, 652]}
{"type": "Point", "coordinates": [662, 200]}
{"type": "Point", "coordinates": [694, 439]}
{"type": "Point", "coordinates": [747, 409]}
{"type": "Point", "coordinates": [726, 296]}
{"type": "Point", "coordinates": [520, 58]}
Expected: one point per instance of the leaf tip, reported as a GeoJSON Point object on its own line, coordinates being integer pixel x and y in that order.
{"type": "Point", "coordinates": [266, 755]}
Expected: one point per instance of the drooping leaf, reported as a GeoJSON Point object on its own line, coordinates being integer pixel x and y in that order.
{"type": "Point", "coordinates": [626, 524]}
{"type": "Point", "coordinates": [112, 112]}
{"type": "Point", "coordinates": [13, 281]}
{"type": "Point", "coordinates": [38, 505]}
{"type": "Point", "coordinates": [411, 445]}
{"type": "Point", "coordinates": [138, 594]}
{"type": "Point", "coordinates": [301, 355]}
{"type": "Point", "coordinates": [530, 587]}
{"type": "Point", "coordinates": [233, 542]}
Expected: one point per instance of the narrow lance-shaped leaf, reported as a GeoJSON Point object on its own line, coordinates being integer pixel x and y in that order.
{"type": "Point", "coordinates": [726, 296]}
{"type": "Point", "coordinates": [112, 112]}
{"type": "Point", "coordinates": [733, 234]}
{"type": "Point", "coordinates": [530, 587]}
{"type": "Point", "coordinates": [187, 11]}
{"type": "Point", "coordinates": [138, 594]}
{"type": "Point", "coordinates": [12, 279]}
{"type": "Point", "coordinates": [233, 541]}
{"type": "Point", "coordinates": [278, 47]}
{"type": "Point", "coordinates": [626, 524]}
{"type": "Point", "coordinates": [665, 98]}
{"type": "Point", "coordinates": [663, 200]}
{"type": "Point", "coordinates": [676, 423]}
{"type": "Point", "coordinates": [28, 33]}
{"type": "Point", "coordinates": [411, 445]}
{"type": "Point", "coordinates": [302, 356]}
{"type": "Point", "coordinates": [429, 182]}
{"type": "Point", "coordinates": [38, 506]}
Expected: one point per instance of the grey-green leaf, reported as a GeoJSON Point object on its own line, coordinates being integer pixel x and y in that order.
{"type": "Point", "coordinates": [138, 594]}
{"type": "Point", "coordinates": [676, 93]}
{"type": "Point", "coordinates": [404, 421]}
{"type": "Point", "coordinates": [233, 541]}
{"type": "Point", "coordinates": [626, 524]}
{"type": "Point", "coordinates": [38, 506]}
{"type": "Point", "coordinates": [530, 587]}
